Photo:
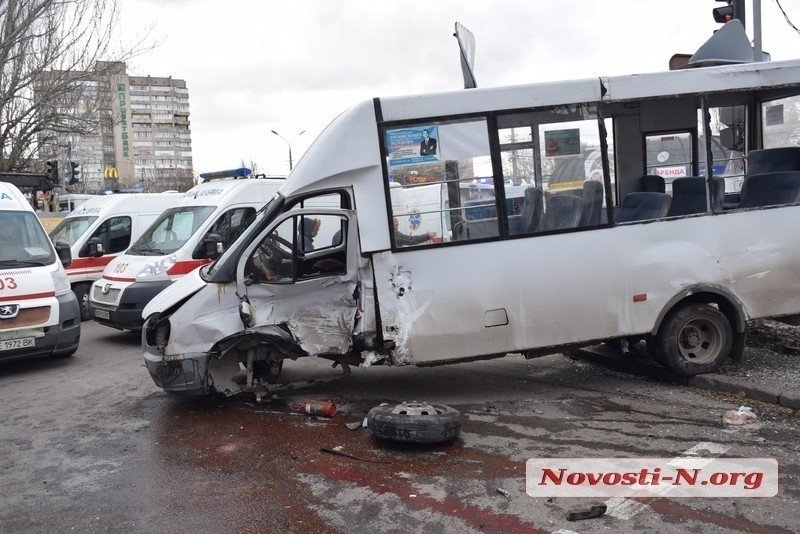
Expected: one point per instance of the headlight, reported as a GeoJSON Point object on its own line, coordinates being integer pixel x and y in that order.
{"type": "Point", "coordinates": [60, 281]}
{"type": "Point", "coordinates": [157, 269]}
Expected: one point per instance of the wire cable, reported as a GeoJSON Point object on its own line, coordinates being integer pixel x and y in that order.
{"type": "Point", "coordinates": [786, 16]}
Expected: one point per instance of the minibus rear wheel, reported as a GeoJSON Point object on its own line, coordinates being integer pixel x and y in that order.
{"type": "Point", "coordinates": [694, 338]}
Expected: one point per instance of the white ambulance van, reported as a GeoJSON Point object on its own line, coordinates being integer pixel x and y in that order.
{"type": "Point", "coordinates": [102, 228]}
{"type": "Point", "coordinates": [208, 218]}
{"type": "Point", "coordinates": [39, 315]}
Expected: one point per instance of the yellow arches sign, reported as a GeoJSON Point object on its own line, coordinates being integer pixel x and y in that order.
{"type": "Point", "coordinates": [110, 173]}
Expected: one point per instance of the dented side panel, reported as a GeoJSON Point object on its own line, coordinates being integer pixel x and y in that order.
{"type": "Point", "coordinates": [497, 297]}
{"type": "Point", "coordinates": [544, 291]}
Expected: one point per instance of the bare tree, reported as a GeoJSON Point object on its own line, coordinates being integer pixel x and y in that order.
{"type": "Point", "coordinates": [48, 48]}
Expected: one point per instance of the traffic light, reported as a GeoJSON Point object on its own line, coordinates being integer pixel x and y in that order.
{"type": "Point", "coordinates": [52, 172]}
{"type": "Point", "coordinates": [734, 9]}
{"type": "Point", "coordinates": [73, 173]}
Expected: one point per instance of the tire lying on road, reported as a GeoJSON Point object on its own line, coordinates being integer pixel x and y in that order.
{"type": "Point", "coordinates": [414, 422]}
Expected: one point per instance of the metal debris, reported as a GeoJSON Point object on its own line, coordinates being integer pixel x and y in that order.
{"type": "Point", "coordinates": [590, 513]}
{"type": "Point", "coordinates": [341, 452]}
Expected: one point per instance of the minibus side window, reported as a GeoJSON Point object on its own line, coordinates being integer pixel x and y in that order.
{"type": "Point", "coordinates": [441, 182]}
{"type": "Point", "coordinates": [301, 247]}
{"type": "Point", "coordinates": [552, 169]}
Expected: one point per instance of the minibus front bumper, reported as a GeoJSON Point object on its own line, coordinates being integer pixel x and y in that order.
{"type": "Point", "coordinates": [185, 374]}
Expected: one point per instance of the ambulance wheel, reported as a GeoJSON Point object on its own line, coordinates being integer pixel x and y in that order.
{"type": "Point", "coordinates": [414, 422]}
{"type": "Point", "coordinates": [82, 293]}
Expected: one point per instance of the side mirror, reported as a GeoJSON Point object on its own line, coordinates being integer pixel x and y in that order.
{"type": "Point", "coordinates": [64, 252]}
{"type": "Point", "coordinates": [213, 246]}
{"type": "Point", "coordinates": [95, 247]}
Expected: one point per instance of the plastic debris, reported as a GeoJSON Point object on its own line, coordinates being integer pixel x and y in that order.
{"type": "Point", "coordinates": [742, 416]}
{"type": "Point", "coordinates": [503, 492]}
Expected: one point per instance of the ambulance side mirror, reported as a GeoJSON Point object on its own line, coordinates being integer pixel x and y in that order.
{"type": "Point", "coordinates": [64, 252]}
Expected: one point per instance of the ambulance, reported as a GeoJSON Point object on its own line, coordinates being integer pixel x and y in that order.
{"type": "Point", "coordinates": [206, 220]}
{"type": "Point", "coordinates": [39, 315]}
{"type": "Point", "coordinates": [102, 228]}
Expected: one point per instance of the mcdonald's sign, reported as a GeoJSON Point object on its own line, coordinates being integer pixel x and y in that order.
{"type": "Point", "coordinates": [110, 173]}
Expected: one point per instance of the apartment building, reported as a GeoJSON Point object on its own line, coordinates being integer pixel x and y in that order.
{"type": "Point", "coordinates": [139, 136]}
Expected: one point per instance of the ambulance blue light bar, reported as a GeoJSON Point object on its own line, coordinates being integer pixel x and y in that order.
{"type": "Point", "coordinates": [231, 173]}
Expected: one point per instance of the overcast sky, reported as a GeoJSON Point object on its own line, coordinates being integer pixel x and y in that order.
{"type": "Point", "coordinates": [255, 66]}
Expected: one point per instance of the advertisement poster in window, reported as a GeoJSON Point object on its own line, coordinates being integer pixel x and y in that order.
{"type": "Point", "coordinates": [410, 146]}
{"type": "Point", "coordinates": [562, 142]}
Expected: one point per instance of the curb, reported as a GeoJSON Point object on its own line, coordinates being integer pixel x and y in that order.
{"type": "Point", "coordinates": [606, 356]}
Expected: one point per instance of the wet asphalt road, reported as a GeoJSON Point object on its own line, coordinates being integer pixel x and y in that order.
{"type": "Point", "coordinates": [89, 444]}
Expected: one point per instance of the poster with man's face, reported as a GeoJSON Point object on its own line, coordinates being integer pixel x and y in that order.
{"type": "Point", "coordinates": [410, 146]}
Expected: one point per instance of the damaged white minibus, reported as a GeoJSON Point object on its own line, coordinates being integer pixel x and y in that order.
{"type": "Point", "coordinates": [591, 227]}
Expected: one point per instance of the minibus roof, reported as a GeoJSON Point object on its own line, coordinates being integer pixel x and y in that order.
{"type": "Point", "coordinates": [350, 142]}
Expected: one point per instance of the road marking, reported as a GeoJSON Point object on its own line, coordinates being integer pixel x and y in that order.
{"type": "Point", "coordinates": [623, 508]}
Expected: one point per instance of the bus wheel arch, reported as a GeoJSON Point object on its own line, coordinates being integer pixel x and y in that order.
{"type": "Point", "coordinates": [708, 319]}
{"type": "Point", "coordinates": [249, 360]}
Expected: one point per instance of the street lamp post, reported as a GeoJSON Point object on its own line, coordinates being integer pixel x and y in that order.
{"type": "Point", "coordinates": [289, 143]}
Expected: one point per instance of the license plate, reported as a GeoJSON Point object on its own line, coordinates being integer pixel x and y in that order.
{"type": "Point", "coordinates": [102, 314]}
{"type": "Point", "coordinates": [11, 344]}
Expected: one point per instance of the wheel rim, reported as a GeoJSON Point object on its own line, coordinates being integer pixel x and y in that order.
{"type": "Point", "coordinates": [700, 341]}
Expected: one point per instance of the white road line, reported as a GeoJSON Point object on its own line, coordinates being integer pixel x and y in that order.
{"type": "Point", "coordinates": [623, 508]}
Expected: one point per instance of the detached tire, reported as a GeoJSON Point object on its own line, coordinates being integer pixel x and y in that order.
{"type": "Point", "coordinates": [414, 422]}
{"type": "Point", "coordinates": [694, 338]}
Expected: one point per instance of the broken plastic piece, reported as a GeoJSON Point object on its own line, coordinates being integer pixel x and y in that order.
{"type": "Point", "coordinates": [590, 513]}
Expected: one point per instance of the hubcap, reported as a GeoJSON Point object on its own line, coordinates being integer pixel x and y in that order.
{"type": "Point", "coordinates": [699, 341]}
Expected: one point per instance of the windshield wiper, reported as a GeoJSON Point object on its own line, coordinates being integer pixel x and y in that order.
{"type": "Point", "coordinates": [23, 263]}
{"type": "Point", "coordinates": [148, 251]}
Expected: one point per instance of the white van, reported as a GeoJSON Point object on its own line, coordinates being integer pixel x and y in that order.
{"type": "Point", "coordinates": [39, 315]}
{"type": "Point", "coordinates": [206, 220]}
{"type": "Point", "coordinates": [584, 255]}
{"type": "Point", "coordinates": [101, 229]}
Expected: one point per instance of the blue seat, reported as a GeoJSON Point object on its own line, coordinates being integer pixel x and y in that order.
{"type": "Point", "coordinates": [689, 195]}
{"type": "Point", "coordinates": [561, 211]}
{"type": "Point", "coordinates": [654, 183]}
{"type": "Point", "coordinates": [643, 205]}
{"type": "Point", "coordinates": [773, 160]}
{"type": "Point", "coordinates": [531, 214]}
{"type": "Point", "coordinates": [770, 188]}
{"type": "Point", "coordinates": [592, 203]}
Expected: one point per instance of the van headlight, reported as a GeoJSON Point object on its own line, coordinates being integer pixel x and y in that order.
{"type": "Point", "coordinates": [60, 281]}
{"type": "Point", "coordinates": [157, 269]}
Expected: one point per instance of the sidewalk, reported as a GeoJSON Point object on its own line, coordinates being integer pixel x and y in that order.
{"type": "Point", "coordinates": [769, 373]}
